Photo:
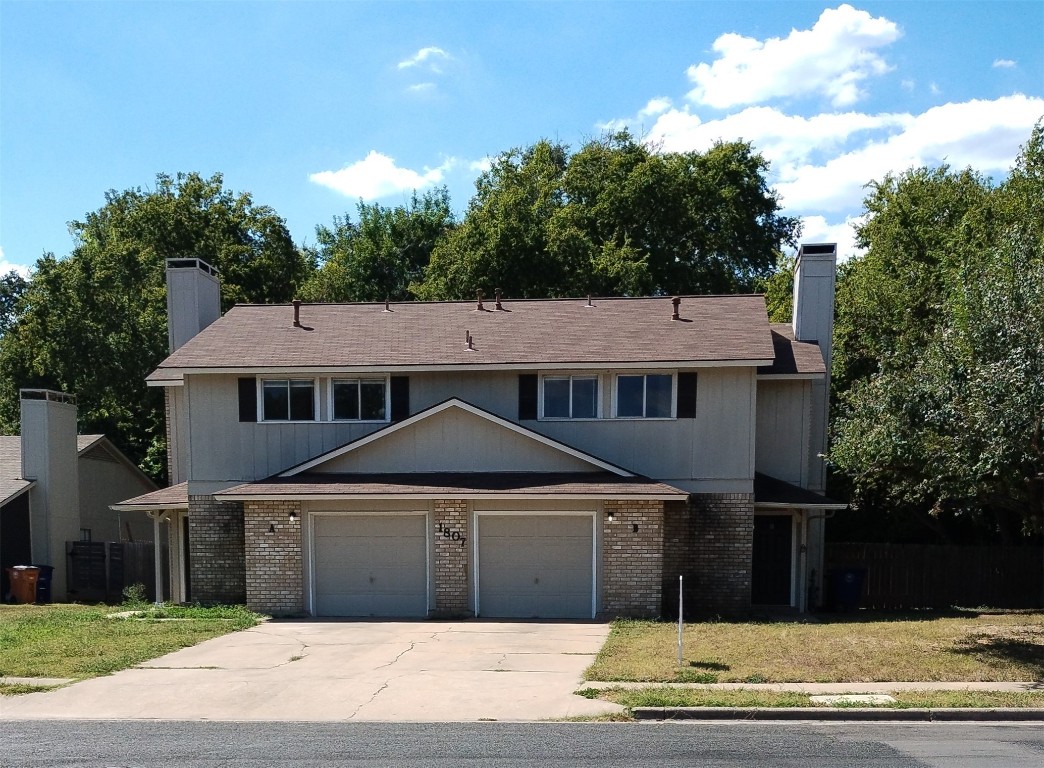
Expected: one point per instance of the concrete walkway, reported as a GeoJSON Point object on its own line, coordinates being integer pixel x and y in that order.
{"type": "Point", "coordinates": [348, 671]}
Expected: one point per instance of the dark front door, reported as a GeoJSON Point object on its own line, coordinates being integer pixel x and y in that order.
{"type": "Point", "coordinates": [772, 569]}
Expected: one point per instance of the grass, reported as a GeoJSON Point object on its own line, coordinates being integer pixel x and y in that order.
{"type": "Point", "coordinates": [16, 689]}
{"type": "Point", "coordinates": [688, 697]}
{"type": "Point", "coordinates": [963, 646]}
{"type": "Point", "coordinates": [80, 641]}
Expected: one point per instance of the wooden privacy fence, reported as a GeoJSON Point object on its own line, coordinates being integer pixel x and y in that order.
{"type": "Point", "coordinates": [940, 576]}
{"type": "Point", "coordinates": [99, 570]}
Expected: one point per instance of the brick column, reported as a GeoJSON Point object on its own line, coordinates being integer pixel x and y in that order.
{"type": "Point", "coordinates": [452, 557]}
{"type": "Point", "coordinates": [274, 566]}
{"type": "Point", "coordinates": [216, 550]}
{"type": "Point", "coordinates": [710, 543]}
{"type": "Point", "coordinates": [632, 558]}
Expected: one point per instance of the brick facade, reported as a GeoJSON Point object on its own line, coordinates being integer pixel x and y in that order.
{"type": "Point", "coordinates": [273, 554]}
{"type": "Point", "coordinates": [709, 541]}
{"type": "Point", "coordinates": [452, 557]}
{"type": "Point", "coordinates": [216, 553]}
{"type": "Point", "coordinates": [632, 558]}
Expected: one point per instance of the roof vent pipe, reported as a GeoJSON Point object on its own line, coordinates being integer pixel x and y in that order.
{"type": "Point", "coordinates": [480, 307]}
{"type": "Point", "coordinates": [589, 304]}
{"type": "Point", "coordinates": [500, 307]}
{"type": "Point", "coordinates": [468, 339]}
{"type": "Point", "coordinates": [297, 313]}
{"type": "Point", "coordinates": [676, 301]}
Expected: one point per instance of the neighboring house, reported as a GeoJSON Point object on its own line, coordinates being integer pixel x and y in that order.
{"type": "Point", "coordinates": [57, 486]}
{"type": "Point", "coordinates": [559, 458]}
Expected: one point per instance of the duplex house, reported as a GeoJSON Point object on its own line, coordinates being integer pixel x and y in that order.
{"type": "Point", "coordinates": [554, 458]}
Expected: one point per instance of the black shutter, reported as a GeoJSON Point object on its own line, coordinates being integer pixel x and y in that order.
{"type": "Point", "coordinates": [687, 395]}
{"type": "Point", "coordinates": [527, 396]}
{"type": "Point", "coordinates": [400, 397]}
{"type": "Point", "coordinates": [248, 399]}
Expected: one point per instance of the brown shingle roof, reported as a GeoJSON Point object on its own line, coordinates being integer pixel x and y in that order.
{"type": "Point", "coordinates": [793, 357]}
{"type": "Point", "coordinates": [547, 332]}
{"type": "Point", "coordinates": [174, 497]}
{"type": "Point", "coordinates": [458, 484]}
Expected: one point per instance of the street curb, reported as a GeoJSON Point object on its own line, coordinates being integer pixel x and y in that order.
{"type": "Point", "coordinates": [844, 714]}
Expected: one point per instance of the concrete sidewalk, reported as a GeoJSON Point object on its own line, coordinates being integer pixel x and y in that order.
{"type": "Point", "coordinates": [819, 689]}
{"type": "Point", "coordinates": [422, 671]}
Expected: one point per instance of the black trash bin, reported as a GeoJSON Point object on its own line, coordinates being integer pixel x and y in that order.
{"type": "Point", "coordinates": [43, 583]}
{"type": "Point", "coordinates": [845, 588]}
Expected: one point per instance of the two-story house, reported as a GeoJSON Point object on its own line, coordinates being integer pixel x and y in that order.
{"type": "Point", "coordinates": [554, 458]}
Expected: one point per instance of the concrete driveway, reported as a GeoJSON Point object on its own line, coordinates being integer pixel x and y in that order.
{"type": "Point", "coordinates": [355, 670]}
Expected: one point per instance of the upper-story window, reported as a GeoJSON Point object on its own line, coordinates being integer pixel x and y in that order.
{"type": "Point", "coordinates": [570, 397]}
{"type": "Point", "coordinates": [360, 399]}
{"type": "Point", "coordinates": [288, 400]}
{"type": "Point", "coordinates": [644, 396]}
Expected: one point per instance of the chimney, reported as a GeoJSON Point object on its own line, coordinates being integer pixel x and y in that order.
{"type": "Point", "coordinates": [814, 275]}
{"type": "Point", "coordinates": [193, 299]}
{"type": "Point", "coordinates": [49, 457]}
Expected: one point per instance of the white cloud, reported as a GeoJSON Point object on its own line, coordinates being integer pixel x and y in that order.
{"type": "Point", "coordinates": [8, 266]}
{"type": "Point", "coordinates": [907, 85]}
{"type": "Point", "coordinates": [831, 59]}
{"type": "Point", "coordinates": [934, 88]}
{"type": "Point", "coordinates": [656, 106]}
{"type": "Point", "coordinates": [1003, 64]}
{"type": "Point", "coordinates": [378, 176]}
{"type": "Point", "coordinates": [481, 166]}
{"type": "Point", "coordinates": [816, 229]}
{"type": "Point", "coordinates": [428, 56]}
{"type": "Point", "coordinates": [421, 87]}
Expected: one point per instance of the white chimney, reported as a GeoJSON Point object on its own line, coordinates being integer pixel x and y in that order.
{"type": "Point", "coordinates": [49, 457]}
{"type": "Point", "coordinates": [193, 299]}
{"type": "Point", "coordinates": [814, 278]}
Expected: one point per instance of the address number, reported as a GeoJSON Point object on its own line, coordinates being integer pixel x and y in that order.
{"type": "Point", "coordinates": [446, 533]}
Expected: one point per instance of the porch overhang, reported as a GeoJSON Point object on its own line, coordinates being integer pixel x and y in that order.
{"type": "Point", "coordinates": [175, 497]}
{"type": "Point", "coordinates": [770, 493]}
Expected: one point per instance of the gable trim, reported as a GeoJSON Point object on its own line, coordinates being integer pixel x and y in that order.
{"type": "Point", "coordinates": [455, 402]}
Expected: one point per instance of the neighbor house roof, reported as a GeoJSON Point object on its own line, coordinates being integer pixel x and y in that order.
{"type": "Point", "coordinates": [11, 481]}
{"type": "Point", "coordinates": [792, 357]}
{"type": "Point", "coordinates": [438, 485]}
{"type": "Point", "coordinates": [528, 333]}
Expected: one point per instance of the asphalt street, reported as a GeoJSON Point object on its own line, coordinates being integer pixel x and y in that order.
{"type": "Point", "coordinates": [142, 744]}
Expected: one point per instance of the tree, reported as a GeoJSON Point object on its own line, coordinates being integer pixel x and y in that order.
{"type": "Point", "coordinates": [94, 323]}
{"type": "Point", "coordinates": [942, 402]}
{"type": "Point", "coordinates": [12, 288]}
{"type": "Point", "coordinates": [614, 218]}
{"type": "Point", "coordinates": [382, 255]}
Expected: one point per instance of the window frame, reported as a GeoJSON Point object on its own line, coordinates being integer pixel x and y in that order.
{"type": "Point", "coordinates": [386, 379]}
{"type": "Point", "coordinates": [570, 377]}
{"type": "Point", "coordinates": [645, 398]}
{"type": "Point", "coordinates": [316, 415]}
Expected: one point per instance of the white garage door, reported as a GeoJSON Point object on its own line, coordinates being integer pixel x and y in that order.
{"type": "Point", "coordinates": [535, 566]}
{"type": "Point", "coordinates": [370, 565]}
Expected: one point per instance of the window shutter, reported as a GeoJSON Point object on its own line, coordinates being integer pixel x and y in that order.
{"type": "Point", "coordinates": [527, 396]}
{"type": "Point", "coordinates": [400, 397]}
{"type": "Point", "coordinates": [248, 399]}
{"type": "Point", "coordinates": [687, 395]}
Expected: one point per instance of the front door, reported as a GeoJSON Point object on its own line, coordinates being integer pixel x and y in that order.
{"type": "Point", "coordinates": [772, 560]}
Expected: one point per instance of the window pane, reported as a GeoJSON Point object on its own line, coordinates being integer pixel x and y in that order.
{"type": "Point", "coordinates": [556, 398]}
{"type": "Point", "coordinates": [275, 400]}
{"type": "Point", "coordinates": [657, 396]}
{"type": "Point", "coordinates": [629, 395]}
{"type": "Point", "coordinates": [585, 397]}
{"type": "Point", "coordinates": [302, 400]}
{"type": "Point", "coordinates": [346, 399]}
{"type": "Point", "coordinates": [373, 400]}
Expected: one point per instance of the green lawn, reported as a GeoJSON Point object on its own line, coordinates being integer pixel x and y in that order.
{"type": "Point", "coordinates": [955, 647]}
{"type": "Point", "coordinates": [79, 641]}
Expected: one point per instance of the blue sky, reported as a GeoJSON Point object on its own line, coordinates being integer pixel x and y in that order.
{"type": "Point", "coordinates": [311, 105]}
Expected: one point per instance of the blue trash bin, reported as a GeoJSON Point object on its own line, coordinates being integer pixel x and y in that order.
{"type": "Point", "coordinates": [43, 583]}
{"type": "Point", "coordinates": [846, 588]}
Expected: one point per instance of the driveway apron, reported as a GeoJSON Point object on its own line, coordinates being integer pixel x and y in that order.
{"type": "Point", "coordinates": [348, 671]}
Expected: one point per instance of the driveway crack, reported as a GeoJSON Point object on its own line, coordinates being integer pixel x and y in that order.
{"type": "Point", "coordinates": [401, 654]}
{"type": "Point", "coordinates": [370, 700]}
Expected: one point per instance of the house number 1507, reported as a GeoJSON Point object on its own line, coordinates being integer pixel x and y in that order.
{"type": "Point", "coordinates": [446, 533]}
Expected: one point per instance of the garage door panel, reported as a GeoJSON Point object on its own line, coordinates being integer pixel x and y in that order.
{"type": "Point", "coordinates": [371, 565]}
{"type": "Point", "coordinates": [535, 566]}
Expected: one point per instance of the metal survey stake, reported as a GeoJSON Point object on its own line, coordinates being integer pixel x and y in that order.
{"type": "Point", "coordinates": [681, 613]}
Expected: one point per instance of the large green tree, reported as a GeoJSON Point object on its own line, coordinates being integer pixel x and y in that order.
{"type": "Point", "coordinates": [615, 217]}
{"type": "Point", "coordinates": [94, 322]}
{"type": "Point", "coordinates": [12, 288]}
{"type": "Point", "coordinates": [939, 362]}
{"type": "Point", "coordinates": [382, 254]}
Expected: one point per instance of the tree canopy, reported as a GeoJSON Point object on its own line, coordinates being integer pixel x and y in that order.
{"type": "Point", "coordinates": [615, 217]}
{"type": "Point", "coordinates": [939, 350]}
{"type": "Point", "coordinates": [94, 323]}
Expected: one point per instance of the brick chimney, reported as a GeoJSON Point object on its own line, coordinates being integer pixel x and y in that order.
{"type": "Point", "coordinates": [814, 278]}
{"type": "Point", "coordinates": [49, 457]}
